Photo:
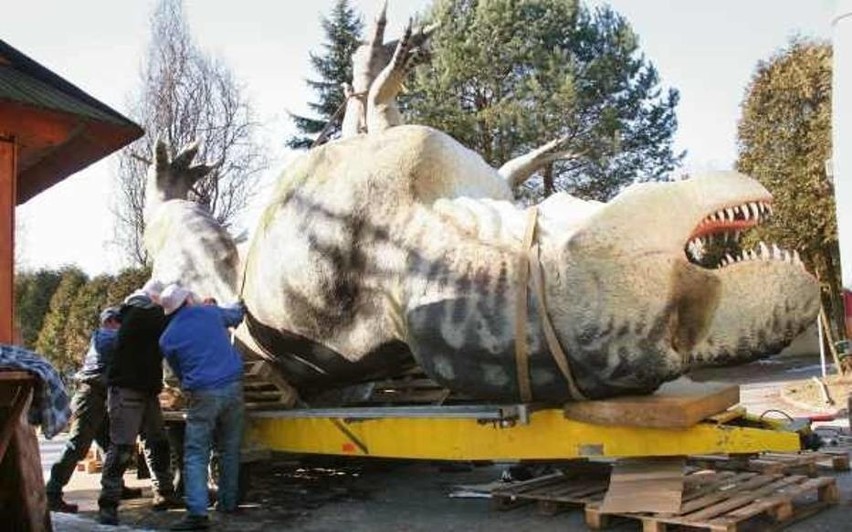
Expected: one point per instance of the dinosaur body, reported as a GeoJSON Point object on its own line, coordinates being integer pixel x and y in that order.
{"type": "Point", "coordinates": [401, 247]}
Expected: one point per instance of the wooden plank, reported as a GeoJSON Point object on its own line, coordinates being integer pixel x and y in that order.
{"type": "Point", "coordinates": [736, 502]}
{"type": "Point", "coordinates": [21, 483]}
{"type": "Point", "coordinates": [15, 375]}
{"type": "Point", "coordinates": [646, 485]}
{"type": "Point", "coordinates": [678, 404]}
{"type": "Point", "coordinates": [782, 500]}
{"type": "Point", "coordinates": [725, 491]}
{"type": "Point", "coordinates": [8, 180]}
{"type": "Point", "coordinates": [22, 395]}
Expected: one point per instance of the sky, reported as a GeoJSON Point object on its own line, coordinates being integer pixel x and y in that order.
{"type": "Point", "coordinates": [706, 50]}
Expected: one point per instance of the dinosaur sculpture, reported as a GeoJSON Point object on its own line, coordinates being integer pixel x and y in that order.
{"type": "Point", "coordinates": [403, 246]}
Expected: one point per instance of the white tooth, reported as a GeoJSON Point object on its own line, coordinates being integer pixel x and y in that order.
{"type": "Point", "coordinates": [737, 235]}
{"type": "Point", "coordinates": [746, 212]}
{"type": "Point", "coordinates": [776, 251]}
{"type": "Point", "coordinates": [729, 257]}
{"type": "Point", "coordinates": [796, 258]}
{"type": "Point", "coordinates": [751, 255]}
{"type": "Point", "coordinates": [730, 212]}
{"type": "Point", "coordinates": [764, 251]}
{"type": "Point", "coordinates": [755, 212]}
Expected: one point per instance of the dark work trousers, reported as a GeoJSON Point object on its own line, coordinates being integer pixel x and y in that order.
{"type": "Point", "coordinates": [133, 413]}
{"type": "Point", "coordinates": [89, 422]}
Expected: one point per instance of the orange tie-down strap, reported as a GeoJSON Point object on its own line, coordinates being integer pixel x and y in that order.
{"type": "Point", "coordinates": [528, 261]}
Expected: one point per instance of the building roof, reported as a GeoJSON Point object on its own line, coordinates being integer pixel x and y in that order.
{"type": "Point", "coordinates": [59, 129]}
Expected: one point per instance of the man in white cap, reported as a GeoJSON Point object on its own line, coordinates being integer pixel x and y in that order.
{"type": "Point", "coordinates": [134, 381]}
{"type": "Point", "coordinates": [197, 346]}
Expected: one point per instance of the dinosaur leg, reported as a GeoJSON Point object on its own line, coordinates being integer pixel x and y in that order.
{"type": "Point", "coordinates": [382, 111]}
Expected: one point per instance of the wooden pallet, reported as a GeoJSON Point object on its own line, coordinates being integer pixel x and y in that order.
{"type": "Point", "coordinates": [410, 387]}
{"type": "Point", "coordinates": [92, 463]}
{"type": "Point", "coordinates": [264, 388]}
{"type": "Point", "coordinates": [807, 463]}
{"type": "Point", "coordinates": [723, 501]}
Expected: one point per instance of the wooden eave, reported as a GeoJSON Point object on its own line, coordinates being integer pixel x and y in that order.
{"type": "Point", "coordinates": [54, 144]}
{"type": "Point", "coordinates": [58, 128]}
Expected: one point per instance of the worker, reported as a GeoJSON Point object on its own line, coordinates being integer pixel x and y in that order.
{"type": "Point", "coordinates": [89, 407]}
{"type": "Point", "coordinates": [134, 380]}
{"type": "Point", "coordinates": [197, 346]}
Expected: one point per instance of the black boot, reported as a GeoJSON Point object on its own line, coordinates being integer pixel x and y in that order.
{"type": "Point", "coordinates": [192, 522]}
{"type": "Point", "coordinates": [56, 504]}
{"type": "Point", "coordinates": [108, 515]}
{"type": "Point", "coordinates": [130, 493]}
{"type": "Point", "coordinates": [165, 501]}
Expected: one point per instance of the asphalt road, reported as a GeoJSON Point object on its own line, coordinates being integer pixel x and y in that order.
{"type": "Point", "coordinates": [374, 496]}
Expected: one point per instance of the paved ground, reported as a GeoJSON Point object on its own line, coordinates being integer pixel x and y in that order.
{"type": "Point", "coordinates": [332, 495]}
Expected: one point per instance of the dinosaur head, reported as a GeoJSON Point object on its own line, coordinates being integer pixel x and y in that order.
{"type": "Point", "coordinates": [172, 178]}
{"type": "Point", "coordinates": [640, 298]}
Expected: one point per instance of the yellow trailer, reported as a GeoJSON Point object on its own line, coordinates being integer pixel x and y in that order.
{"type": "Point", "coordinates": [513, 432]}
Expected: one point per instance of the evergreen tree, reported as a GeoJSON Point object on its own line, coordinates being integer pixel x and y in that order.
{"type": "Point", "coordinates": [508, 76]}
{"type": "Point", "coordinates": [33, 292]}
{"type": "Point", "coordinates": [83, 316]}
{"type": "Point", "coordinates": [334, 67]}
{"type": "Point", "coordinates": [51, 338]}
{"type": "Point", "coordinates": [125, 283]}
{"type": "Point", "coordinates": [784, 138]}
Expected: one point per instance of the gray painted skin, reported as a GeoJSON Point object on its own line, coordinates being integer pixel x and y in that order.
{"type": "Point", "coordinates": [398, 247]}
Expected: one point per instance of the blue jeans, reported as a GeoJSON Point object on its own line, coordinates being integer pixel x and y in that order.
{"type": "Point", "coordinates": [216, 412]}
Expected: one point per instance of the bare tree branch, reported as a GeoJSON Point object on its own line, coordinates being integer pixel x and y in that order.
{"type": "Point", "coordinates": [186, 95]}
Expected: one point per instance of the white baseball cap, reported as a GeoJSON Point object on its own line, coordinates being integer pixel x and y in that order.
{"type": "Point", "coordinates": [174, 296]}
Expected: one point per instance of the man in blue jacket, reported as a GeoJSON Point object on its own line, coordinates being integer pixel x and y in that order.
{"type": "Point", "coordinates": [89, 405]}
{"type": "Point", "coordinates": [197, 346]}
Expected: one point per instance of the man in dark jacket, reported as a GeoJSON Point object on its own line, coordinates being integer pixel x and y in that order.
{"type": "Point", "coordinates": [134, 380]}
{"type": "Point", "coordinates": [198, 348]}
{"type": "Point", "coordinates": [89, 406]}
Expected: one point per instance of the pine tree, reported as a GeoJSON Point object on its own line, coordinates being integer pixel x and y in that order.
{"type": "Point", "coordinates": [334, 67]}
{"type": "Point", "coordinates": [508, 76]}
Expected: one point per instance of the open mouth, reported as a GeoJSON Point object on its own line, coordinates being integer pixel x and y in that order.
{"type": "Point", "coordinates": [715, 242]}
